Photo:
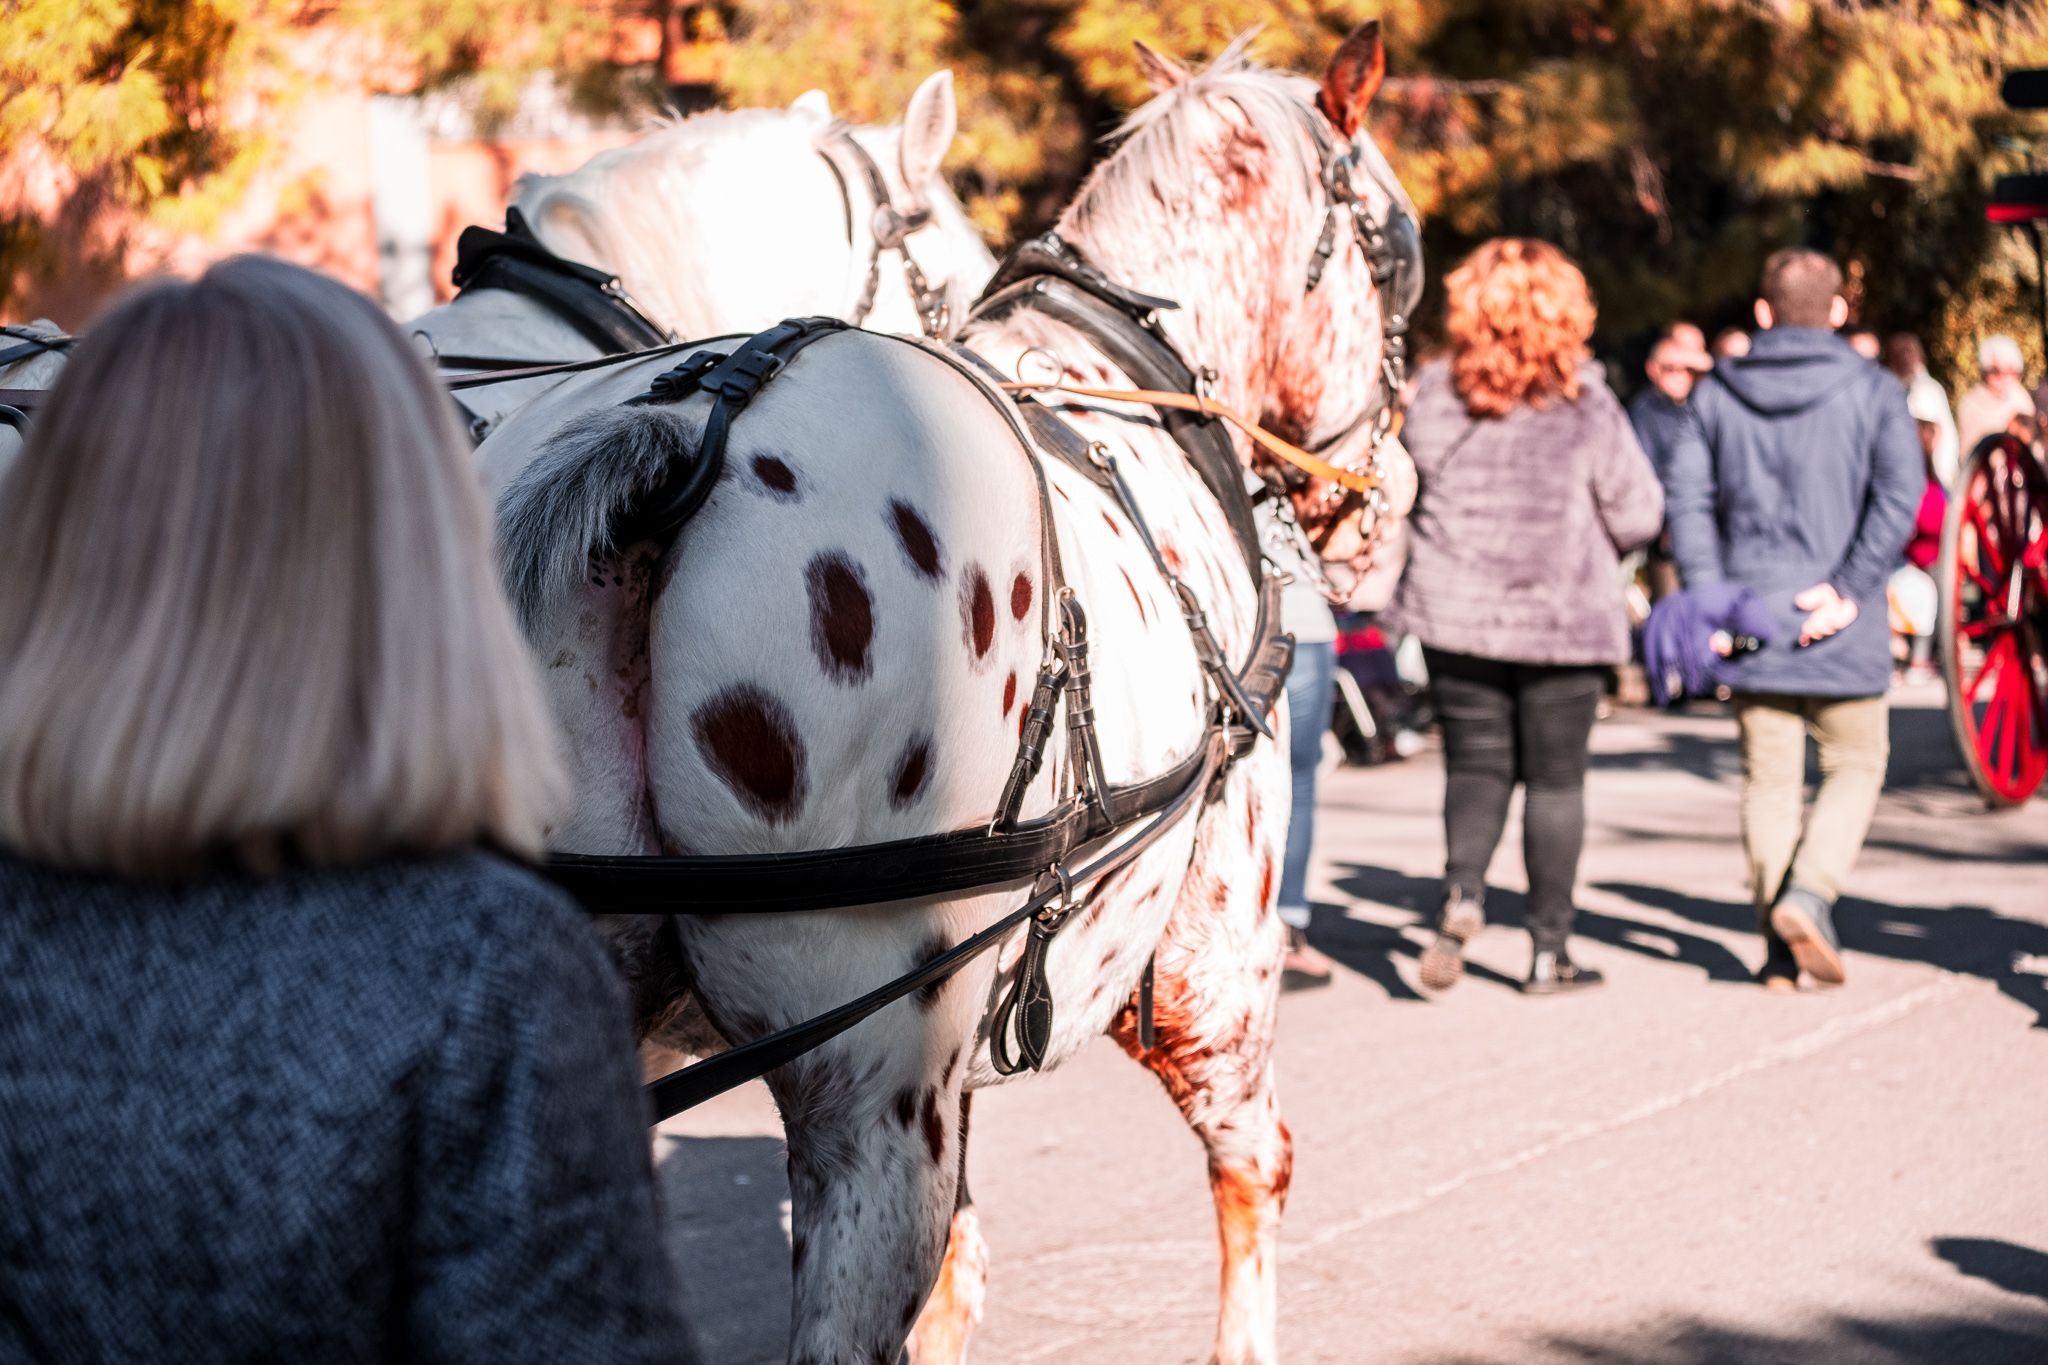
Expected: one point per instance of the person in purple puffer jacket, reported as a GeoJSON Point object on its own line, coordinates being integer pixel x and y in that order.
{"type": "Point", "coordinates": [1532, 486]}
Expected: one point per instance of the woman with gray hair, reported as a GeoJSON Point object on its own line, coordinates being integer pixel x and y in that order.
{"type": "Point", "coordinates": [2000, 400]}
{"type": "Point", "coordinates": [298, 1061]}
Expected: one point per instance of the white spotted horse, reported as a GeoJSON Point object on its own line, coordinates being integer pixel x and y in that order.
{"type": "Point", "coordinates": [721, 222]}
{"type": "Point", "coordinates": [813, 607]}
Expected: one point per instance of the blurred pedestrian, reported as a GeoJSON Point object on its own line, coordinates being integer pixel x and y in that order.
{"type": "Point", "coordinates": [1999, 402]}
{"type": "Point", "coordinates": [1531, 484]}
{"type": "Point", "coordinates": [1729, 343]}
{"type": "Point", "coordinates": [1927, 399]}
{"type": "Point", "coordinates": [1798, 476]}
{"type": "Point", "coordinates": [299, 1062]}
{"type": "Point", "coordinates": [1912, 597]}
{"type": "Point", "coordinates": [1862, 341]}
{"type": "Point", "coordinates": [1658, 409]}
{"type": "Point", "coordinates": [1656, 412]}
{"type": "Point", "coordinates": [1311, 691]}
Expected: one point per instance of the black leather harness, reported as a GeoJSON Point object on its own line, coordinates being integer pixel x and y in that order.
{"type": "Point", "coordinates": [1078, 841]}
{"type": "Point", "coordinates": [592, 301]}
{"type": "Point", "coordinates": [1085, 836]}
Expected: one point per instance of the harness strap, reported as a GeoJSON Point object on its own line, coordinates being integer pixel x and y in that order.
{"type": "Point", "coordinates": [592, 301]}
{"type": "Point", "coordinates": [32, 344]}
{"type": "Point", "coordinates": [694, 1084]}
{"type": "Point", "coordinates": [1134, 343]}
{"type": "Point", "coordinates": [900, 869]}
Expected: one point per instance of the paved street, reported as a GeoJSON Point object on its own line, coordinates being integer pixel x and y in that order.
{"type": "Point", "coordinates": [1679, 1168]}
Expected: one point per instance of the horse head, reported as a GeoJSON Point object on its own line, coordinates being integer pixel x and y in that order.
{"type": "Point", "coordinates": [800, 212]}
{"type": "Point", "coordinates": [1296, 208]}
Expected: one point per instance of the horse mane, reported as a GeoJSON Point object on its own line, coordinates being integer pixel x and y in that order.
{"type": "Point", "coordinates": [1180, 127]}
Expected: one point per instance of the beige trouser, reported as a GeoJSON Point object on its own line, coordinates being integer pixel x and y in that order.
{"type": "Point", "coordinates": [1854, 740]}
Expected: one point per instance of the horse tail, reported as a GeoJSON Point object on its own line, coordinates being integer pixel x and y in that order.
{"type": "Point", "coordinates": [571, 500]}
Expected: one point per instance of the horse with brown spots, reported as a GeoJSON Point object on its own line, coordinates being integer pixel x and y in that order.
{"type": "Point", "coordinates": [834, 670]}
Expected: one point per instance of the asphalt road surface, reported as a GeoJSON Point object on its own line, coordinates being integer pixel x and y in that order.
{"type": "Point", "coordinates": [1678, 1169]}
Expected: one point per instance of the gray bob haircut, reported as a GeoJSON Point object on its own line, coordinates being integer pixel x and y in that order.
{"type": "Point", "coordinates": [248, 605]}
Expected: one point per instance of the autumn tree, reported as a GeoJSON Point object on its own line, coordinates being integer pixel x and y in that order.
{"type": "Point", "coordinates": [113, 111]}
{"type": "Point", "coordinates": [1671, 144]}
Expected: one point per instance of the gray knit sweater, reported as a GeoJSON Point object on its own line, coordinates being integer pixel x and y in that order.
{"type": "Point", "coordinates": [1516, 529]}
{"type": "Point", "coordinates": [384, 1113]}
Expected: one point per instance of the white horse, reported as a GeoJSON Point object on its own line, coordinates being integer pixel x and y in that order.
{"type": "Point", "coordinates": [728, 221]}
{"type": "Point", "coordinates": [837, 650]}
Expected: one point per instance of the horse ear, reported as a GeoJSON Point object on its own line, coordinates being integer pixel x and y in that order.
{"type": "Point", "coordinates": [1162, 72]}
{"type": "Point", "coordinates": [928, 127]}
{"type": "Point", "coordinates": [814, 103]}
{"type": "Point", "coordinates": [1353, 78]}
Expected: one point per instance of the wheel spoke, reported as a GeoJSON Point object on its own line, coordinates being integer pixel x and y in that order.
{"type": "Point", "coordinates": [1989, 547]}
{"type": "Point", "coordinates": [1987, 669]}
{"type": "Point", "coordinates": [1970, 630]}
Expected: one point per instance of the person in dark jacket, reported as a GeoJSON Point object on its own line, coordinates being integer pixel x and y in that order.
{"type": "Point", "coordinates": [299, 1061]}
{"type": "Point", "coordinates": [1532, 483]}
{"type": "Point", "coordinates": [1798, 475]}
{"type": "Point", "coordinates": [1658, 409]}
{"type": "Point", "coordinates": [1657, 412]}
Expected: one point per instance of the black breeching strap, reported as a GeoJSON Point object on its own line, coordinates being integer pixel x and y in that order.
{"type": "Point", "coordinates": [694, 1084]}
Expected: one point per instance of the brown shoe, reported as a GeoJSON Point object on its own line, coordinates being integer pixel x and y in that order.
{"type": "Point", "coordinates": [1304, 968]}
{"type": "Point", "coordinates": [1443, 961]}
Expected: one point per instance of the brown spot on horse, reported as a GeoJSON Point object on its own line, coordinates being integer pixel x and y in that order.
{"type": "Point", "coordinates": [911, 771]}
{"type": "Point", "coordinates": [1020, 597]}
{"type": "Point", "coordinates": [776, 476]}
{"type": "Point", "coordinates": [1009, 693]}
{"type": "Point", "coordinates": [920, 546]}
{"type": "Point", "coordinates": [750, 742]}
{"type": "Point", "coordinates": [842, 617]}
{"type": "Point", "coordinates": [934, 1126]}
{"type": "Point", "coordinates": [978, 611]}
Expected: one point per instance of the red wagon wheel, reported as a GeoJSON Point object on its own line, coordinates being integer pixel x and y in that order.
{"type": "Point", "coordinates": [1994, 617]}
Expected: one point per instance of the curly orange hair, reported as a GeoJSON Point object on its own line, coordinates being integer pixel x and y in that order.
{"type": "Point", "coordinates": [1519, 319]}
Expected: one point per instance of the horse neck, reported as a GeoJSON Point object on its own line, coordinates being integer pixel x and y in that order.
{"type": "Point", "coordinates": [1222, 260]}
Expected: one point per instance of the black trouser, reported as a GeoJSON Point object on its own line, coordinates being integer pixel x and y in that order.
{"type": "Point", "coordinates": [1506, 723]}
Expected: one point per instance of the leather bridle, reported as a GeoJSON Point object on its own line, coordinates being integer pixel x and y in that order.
{"type": "Point", "coordinates": [888, 228]}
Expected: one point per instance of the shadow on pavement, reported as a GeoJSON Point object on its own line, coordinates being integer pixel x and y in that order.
{"type": "Point", "coordinates": [723, 1205]}
{"type": "Point", "coordinates": [1967, 939]}
{"type": "Point", "coordinates": [1369, 948]}
{"type": "Point", "coordinates": [2008, 1265]}
{"type": "Point", "coordinates": [2012, 1337]}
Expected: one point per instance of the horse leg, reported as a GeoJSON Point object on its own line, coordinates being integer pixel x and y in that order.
{"type": "Point", "coordinates": [1216, 995]}
{"type": "Point", "coordinates": [954, 1309]}
{"type": "Point", "coordinates": [873, 1175]}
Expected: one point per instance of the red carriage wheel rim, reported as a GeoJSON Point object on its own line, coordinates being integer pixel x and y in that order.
{"type": "Point", "coordinates": [1994, 629]}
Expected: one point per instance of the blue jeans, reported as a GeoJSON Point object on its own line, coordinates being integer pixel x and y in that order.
{"type": "Point", "coordinates": [1311, 686]}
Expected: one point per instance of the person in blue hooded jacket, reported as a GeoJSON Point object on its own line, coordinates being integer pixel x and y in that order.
{"type": "Point", "coordinates": [1798, 473]}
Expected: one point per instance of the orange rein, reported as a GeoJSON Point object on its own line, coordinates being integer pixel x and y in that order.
{"type": "Point", "coordinates": [1209, 407]}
